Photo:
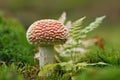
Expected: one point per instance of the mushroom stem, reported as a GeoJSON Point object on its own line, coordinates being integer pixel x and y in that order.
{"type": "Point", "coordinates": [46, 55]}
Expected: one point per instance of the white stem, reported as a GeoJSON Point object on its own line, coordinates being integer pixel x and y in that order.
{"type": "Point", "coordinates": [46, 55]}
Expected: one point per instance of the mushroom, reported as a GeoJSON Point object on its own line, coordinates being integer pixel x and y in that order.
{"type": "Point", "coordinates": [47, 33]}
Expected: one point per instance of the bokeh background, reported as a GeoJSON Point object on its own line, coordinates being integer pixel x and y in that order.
{"type": "Point", "coordinates": [28, 11]}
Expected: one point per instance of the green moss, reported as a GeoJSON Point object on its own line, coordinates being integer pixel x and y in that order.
{"type": "Point", "coordinates": [109, 54]}
{"type": "Point", "coordinates": [13, 44]}
{"type": "Point", "coordinates": [108, 73]}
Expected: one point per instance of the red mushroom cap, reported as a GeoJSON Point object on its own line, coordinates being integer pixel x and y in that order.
{"type": "Point", "coordinates": [47, 32]}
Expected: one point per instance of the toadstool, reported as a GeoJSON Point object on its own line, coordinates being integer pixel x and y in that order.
{"type": "Point", "coordinates": [47, 33]}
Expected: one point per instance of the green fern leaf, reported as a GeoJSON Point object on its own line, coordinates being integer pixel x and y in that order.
{"type": "Point", "coordinates": [46, 69]}
{"type": "Point", "coordinates": [62, 17]}
{"type": "Point", "coordinates": [74, 31]}
{"type": "Point", "coordinates": [93, 25]}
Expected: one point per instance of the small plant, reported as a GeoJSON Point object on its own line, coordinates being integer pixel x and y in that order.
{"type": "Point", "coordinates": [68, 69]}
{"type": "Point", "coordinates": [9, 72]}
{"type": "Point", "coordinates": [28, 71]}
{"type": "Point", "coordinates": [75, 34]}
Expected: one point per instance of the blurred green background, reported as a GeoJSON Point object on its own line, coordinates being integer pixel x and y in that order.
{"type": "Point", "coordinates": [28, 11]}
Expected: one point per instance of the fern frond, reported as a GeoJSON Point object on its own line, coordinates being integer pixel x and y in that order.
{"type": "Point", "coordinates": [78, 22]}
{"type": "Point", "coordinates": [46, 69]}
{"type": "Point", "coordinates": [68, 24]}
{"type": "Point", "coordinates": [62, 17]}
{"type": "Point", "coordinates": [75, 29]}
{"type": "Point", "coordinates": [93, 25]}
{"type": "Point", "coordinates": [76, 33]}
